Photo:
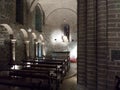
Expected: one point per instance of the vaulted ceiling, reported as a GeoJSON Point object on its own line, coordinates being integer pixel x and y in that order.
{"type": "Point", "coordinates": [56, 11]}
{"type": "Point", "coordinates": [50, 6]}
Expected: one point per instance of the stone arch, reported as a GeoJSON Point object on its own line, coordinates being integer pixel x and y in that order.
{"type": "Point", "coordinates": [41, 38]}
{"type": "Point", "coordinates": [8, 28]}
{"type": "Point", "coordinates": [33, 4]}
{"type": "Point", "coordinates": [7, 44]}
{"type": "Point", "coordinates": [25, 34]}
{"type": "Point", "coordinates": [34, 35]}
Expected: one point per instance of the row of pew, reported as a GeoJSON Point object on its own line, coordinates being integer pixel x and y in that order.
{"type": "Point", "coordinates": [42, 74]}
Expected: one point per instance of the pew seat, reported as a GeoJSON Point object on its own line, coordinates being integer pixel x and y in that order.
{"type": "Point", "coordinates": [16, 81]}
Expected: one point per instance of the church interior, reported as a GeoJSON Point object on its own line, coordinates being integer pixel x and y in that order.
{"type": "Point", "coordinates": [59, 45]}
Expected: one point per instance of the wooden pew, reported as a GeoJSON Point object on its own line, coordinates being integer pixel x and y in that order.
{"type": "Point", "coordinates": [57, 72]}
{"type": "Point", "coordinates": [65, 60]}
{"type": "Point", "coordinates": [42, 74]}
{"type": "Point", "coordinates": [62, 55]}
{"type": "Point", "coordinates": [35, 74]}
{"type": "Point", "coordinates": [49, 62]}
{"type": "Point", "coordinates": [56, 68]}
{"type": "Point", "coordinates": [45, 62]}
{"type": "Point", "coordinates": [11, 81]}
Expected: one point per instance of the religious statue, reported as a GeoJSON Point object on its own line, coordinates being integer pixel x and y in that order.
{"type": "Point", "coordinates": [66, 29]}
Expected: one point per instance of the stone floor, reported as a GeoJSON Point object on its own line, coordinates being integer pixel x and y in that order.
{"type": "Point", "coordinates": [69, 84]}
{"type": "Point", "coordinates": [73, 70]}
{"type": "Point", "coordinates": [70, 81]}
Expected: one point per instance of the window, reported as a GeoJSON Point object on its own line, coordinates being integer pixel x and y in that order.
{"type": "Point", "coordinates": [19, 11]}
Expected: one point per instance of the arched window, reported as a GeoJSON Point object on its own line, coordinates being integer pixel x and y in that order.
{"type": "Point", "coordinates": [38, 19]}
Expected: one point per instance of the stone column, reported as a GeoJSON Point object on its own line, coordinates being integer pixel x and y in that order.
{"type": "Point", "coordinates": [27, 49]}
{"type": "Point", "coordinates": [13, 41]}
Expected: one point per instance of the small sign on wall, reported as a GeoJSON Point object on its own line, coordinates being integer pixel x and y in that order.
{"type": "Point", "coordinates": [115, 55]}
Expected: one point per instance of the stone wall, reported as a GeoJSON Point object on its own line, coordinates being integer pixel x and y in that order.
{"type": "Point", "coordinates": [98, 34]}
{"type": "Point", "coordinates": [102, 50]}
{"type": "Point", "coordinates": [81, 76]}
{"type": "Point", "coordinates": [113, 40]}
{"type": "Point", "coordinates": [8, 16]}
{"type": "Point", "coordinates": [7, 11]}
{"type": "Point", "coordinates": [4, 47]}
{"type": "Point", "coordinates": [20, 49]}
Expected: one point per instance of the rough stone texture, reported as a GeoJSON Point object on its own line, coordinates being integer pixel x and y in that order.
{"type": "Point", "coordinates": [98, 24]}
{"type": "Point", "coordinates": [113, 40]}
{"type": "Point", "coordinates": [81, 43]}
{"type": "Point", "coordinates": [4, 47]}
{"type": "Point", "coordinates": [7, 11]}
{"type": "Point", "coordinates": [20, 42]}
{"type": "Point", "coordinates": [102, 49]}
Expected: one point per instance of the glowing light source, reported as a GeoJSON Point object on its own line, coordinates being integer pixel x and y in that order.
{"type": "Point", "coordinates": [65, 39]}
